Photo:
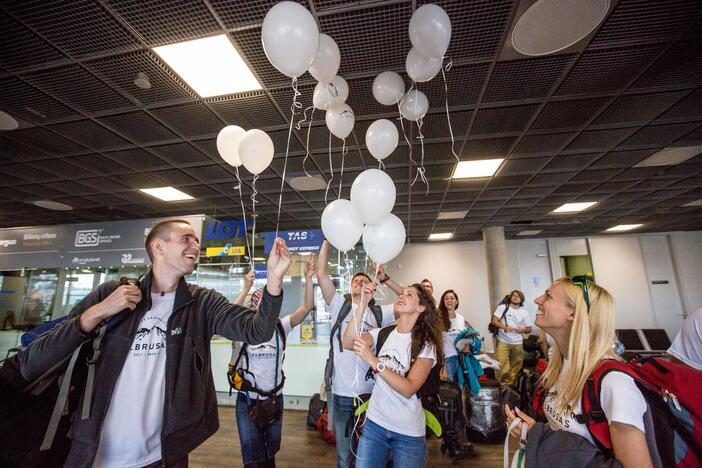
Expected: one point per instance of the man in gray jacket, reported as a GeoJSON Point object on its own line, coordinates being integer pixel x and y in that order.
{"type": "Point", "coordinates": [151, 399]}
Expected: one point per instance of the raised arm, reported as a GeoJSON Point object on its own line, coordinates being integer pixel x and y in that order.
{"type": "Point", "coordinates": [325, 282]}
{"type": "Point", "coordinates": [405, 386]}
{"type": "Point", "coordinates": [301, 312]}
{"type": "Point", "coordinates": [248, 282]}
{"type": "Point", "coordinates": [351, 332]}
{"type": "Point", "coordinates": [385, 279]}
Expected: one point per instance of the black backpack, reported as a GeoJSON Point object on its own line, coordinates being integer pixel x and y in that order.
{"type": "Point", "coordinates": [237, 377]}
{"type": "Point", "coordinates": [336, 329]}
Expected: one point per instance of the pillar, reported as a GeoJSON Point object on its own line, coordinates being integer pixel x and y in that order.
{"type": "Point", "coordinates": [496, 262]}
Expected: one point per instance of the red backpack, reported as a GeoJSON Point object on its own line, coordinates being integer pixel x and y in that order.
{"type": "Point", "coordinates": [673, 393]}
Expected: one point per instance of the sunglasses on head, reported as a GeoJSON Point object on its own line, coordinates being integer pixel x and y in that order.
{"type": "Point", "coordinates": [581, 280]}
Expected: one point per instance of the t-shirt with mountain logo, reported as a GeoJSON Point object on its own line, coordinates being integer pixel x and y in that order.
{"type": "Point", "coordinates": [388, 408]}
{"type": "Point", "coordinates": [131, 431]}
{"type": "Point", "coordinates": [260, 369]}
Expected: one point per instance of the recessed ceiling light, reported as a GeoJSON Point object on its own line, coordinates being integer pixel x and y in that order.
{"type": "Point", "coordinates": [529, 232]}
{"type": "Point", "coordinates": [142, 81]}
{"type": "Point", "coordinates": [440, 236]}
{"type": "Point", "coordinates": [167, 193]}
{"type": "Point", "coordinates": [694, 203]}
{"type": "Point", "coordinates": [476, 168]}
{"type": "Point", "coordinates": [211, 66]}
{"type": "Point", "coordinates": [7, 122]}
{"type": "Point", "coordinates": [52, 205]}
{"type": "Point", "coordinates": [623, 227]}
{"type": "Point", "coordinates": [549, 26]}
{"type": "Point", "coordinates": [574, 207]}
{"type": "Point", "coordinates": [305, 183]}
{"type": "Point", "coordinates": [453, 214]}
{"type": "Point", "coordinates": [670, 156]}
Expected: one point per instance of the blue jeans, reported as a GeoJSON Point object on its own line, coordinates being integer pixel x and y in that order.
{"type": "Point", "coordinates": [257, 445]}
{"type": "Point", "coordinates": [342, 412]}
{"type": "Point", "coordinates": [451, 364]}
{"type": "Point", "coordinates": [377, 443]}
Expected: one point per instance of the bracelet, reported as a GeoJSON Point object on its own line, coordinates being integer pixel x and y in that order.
{"type": "Point", "coordinates": [385, 280]}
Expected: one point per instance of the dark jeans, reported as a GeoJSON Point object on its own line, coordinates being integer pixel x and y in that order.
{"type": "Point", "coordinates": [342, 412]}
{"type": "Point", "coordinates": [258, 446]}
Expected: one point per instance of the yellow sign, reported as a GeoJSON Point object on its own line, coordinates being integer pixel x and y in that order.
{"type": "Point", "coordinates": [226, 251]}
{"type": "Point", "coordinates": [307, 332]}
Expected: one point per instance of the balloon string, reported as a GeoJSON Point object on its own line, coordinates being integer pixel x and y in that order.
{"type": "Point", "coordinates": [381, 165]}
{"type": "Point", "coordinates": [307, 146]}
{"type": "Point", "coordinates": [331, 169]}
{"type": "Point", "coordinates": [293, 111]}
{"type": "Point", "coordinates": [243, 215]}
{"type": "Point", "coordinates": [404, 133]}
{"type": "Point", "coordinates": [344, 150]}
{"type": "Point", "coordinates": [253, 228]}
{"type": "Point", "coordinates": [448, 116]}
{"type": "Point", "coordinates": [421, 170]}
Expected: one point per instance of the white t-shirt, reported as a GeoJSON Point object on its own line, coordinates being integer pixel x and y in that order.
{"type": "Point", "coordinates": [620, 398]}
{"type": "Point", "coordinates": [131, 432]}
{"type": "Point", "coordinates": [261, 361]}
{"type": "Point", "coordinates": [514, 318]}
{"type": "Point", "coordinates": [458, 324]}
{"type": "Point", "coordinates": [688, 344]}
{"type": "Point", "coordinates": [388, 408]}
{"type": "Point", "coordinates": [347, 366]}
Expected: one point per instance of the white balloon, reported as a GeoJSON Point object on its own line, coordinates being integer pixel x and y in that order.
{"type": "Point", "coordinates": [341, 225]}
{"type": "Point", "coordinates": [228, 141]}
{"type": "Point", "coordinates": [326, 63]}
{"type": "Point", "coordinates": [330, 94]}
{"type": "Point", "coordinates": [290, 38]}
{"type": "Point", "coordinates": [385, 240]}
{"type": "Point", "coordinates": [388, 88]}
{"type": "Point", "coordinates": [414, 105]}
{"type": "Point", "coordinates": [373, 195]}
{"type": "Point", "coordinates": [340, 120]}
{"type": "Point", "coordinates": [381, 138]}
{"type": "Point", "coordinates": [256, 151]}
{"type": "Point", "coordinates": [421, 68]}
{"type": "Point", "coordinates": [430, 30]}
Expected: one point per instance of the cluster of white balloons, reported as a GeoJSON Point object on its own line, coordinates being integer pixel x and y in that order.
{"type": "Point", "coordinates": [368, 215]}
{"type": "Point", "coordinates": [294, 45]}
{"type": "Point", "coordinates": [254, 148]}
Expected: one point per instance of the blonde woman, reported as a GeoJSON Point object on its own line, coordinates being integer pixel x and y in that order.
{"type": "Point", "coordinates": [579, 316]}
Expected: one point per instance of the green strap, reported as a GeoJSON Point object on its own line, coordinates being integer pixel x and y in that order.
{"type": "Point", "coordinates": [88, 395]}
{"type": "Point", "coordinates": [432, 422]}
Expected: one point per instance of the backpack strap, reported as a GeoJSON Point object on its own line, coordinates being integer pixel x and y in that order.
{"type": "Point", "coordinates": [382, 337]}
{"type": "Point", "coordinates": [593, 415]}
{"type": "Point", "coordinates": [504, 312]}
{"type": "Point", "coordinates": [336, 328]}
{"type": "Point", "coordinates": [246, 385]}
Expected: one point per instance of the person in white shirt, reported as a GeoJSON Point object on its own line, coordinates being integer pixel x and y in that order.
{"type": "Point", "coordinates": [513, 321]}
{"type": "Point", "coordinates": [579, 316]}
{"type": "Point", "coordinates": [452, 324]}
{"type": "Point", "coordinates": [687, 346]}
{"type": "Point", "coordinates": [257, 373]}
{"type": "Point", "coordinates": [347, 377]}
{"type": "Point", "coordinates": [395, 421]}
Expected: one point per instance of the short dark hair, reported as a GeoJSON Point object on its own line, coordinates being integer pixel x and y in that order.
{"type": "Point", "coordinates": [360, 273]}
{"type": "Point", "coordinates": [426, 280]}
{"type": "Point", "coordinates": [160, 230]}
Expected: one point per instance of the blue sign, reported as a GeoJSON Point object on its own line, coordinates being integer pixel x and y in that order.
{"type": "Point", "coordinates": [225, 230]}
{"type": "Point", "coordinates": [261, 271]}
{"type": "Point", "coordinates": [297, 241]}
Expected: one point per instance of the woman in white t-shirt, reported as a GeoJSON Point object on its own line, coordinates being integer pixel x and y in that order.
{"type": "Point", "coordinates": [395, 421]}
{"type": "Point", "coordinates": [452, 324]}
{"type": "Point", "coordinates": [579, 316]}
{"type": "Point", "coordinates": [259, 375]}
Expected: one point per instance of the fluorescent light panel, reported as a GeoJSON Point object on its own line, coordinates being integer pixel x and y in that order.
{"type": "Point", "coordinates": [167, 194]}
{"type": "Point", "coordinates": [574, 207]}
{"type": "Point", "coordinates": [440, 236]}
{"type": "Point", "coordinates": [211, 66]}
{"type": "Point", "coordinates": [671, 156]}
{"type": "Point", "coordinates": [478, 168]}
{"type": "Point", "coordinates": [529, 232]}
{"type": "Point", "coordinates": [624, 227]}
{"type": "Point", "coordinates": [453, 214]}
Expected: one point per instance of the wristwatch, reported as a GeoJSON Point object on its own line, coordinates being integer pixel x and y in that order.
{"type": "Point", "coordinates": [385, 280]}
{"type": "Point", "coordinates": [380, 367]}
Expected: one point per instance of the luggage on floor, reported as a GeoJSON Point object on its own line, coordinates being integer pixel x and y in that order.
{"type": "Point", "coordinates": [455, 442]}
{"type": "Point", "coordinates": [487, 418]}
{"type": "Point", "coordinates": [317, 407]}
